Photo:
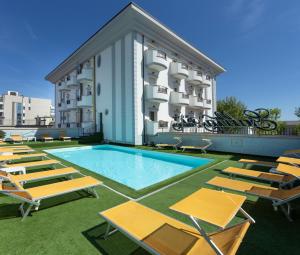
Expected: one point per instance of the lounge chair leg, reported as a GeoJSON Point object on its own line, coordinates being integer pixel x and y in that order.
{"type": "Point", "coordinates": [27, 212]}
{"type": "Point", "coordinates": [108, 232]}
{"type": "Point", "coordinates": [21, 208]}
{"type": "Point", "coordinates": [95, 193]}
{"type": "Point", "coordinates": [36, 208]}
{"type": "Point", "coordinates": [287, 212]}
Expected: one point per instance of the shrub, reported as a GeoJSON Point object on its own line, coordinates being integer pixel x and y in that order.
{"type": "Point", "coordinates": [2, 134]}
{"type": "Point", "coordinates": [95, 138]}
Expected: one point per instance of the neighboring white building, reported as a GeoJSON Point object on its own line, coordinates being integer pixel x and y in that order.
{"type": "Point", "coordinates": [131, 76]}
{"type": "Point", "coordinates": [19, 110]}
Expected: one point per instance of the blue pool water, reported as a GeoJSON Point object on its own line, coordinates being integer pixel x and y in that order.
{"type": "Point", "coordinates": [132, 167]}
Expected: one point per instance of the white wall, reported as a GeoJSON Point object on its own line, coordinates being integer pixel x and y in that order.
{"type": "Point", "coordinates": [115, 101]}
{"type": "Point", "coordinates": [272, 146]}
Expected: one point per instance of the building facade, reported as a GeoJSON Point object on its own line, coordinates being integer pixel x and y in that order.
{"type": "Point", "coordinates": [19, 110]}
{"type": "Point", "coordinates": [132, 78]}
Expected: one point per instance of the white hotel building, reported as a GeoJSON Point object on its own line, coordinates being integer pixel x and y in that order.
{"type": "Point", "coordinates": [131, 78]}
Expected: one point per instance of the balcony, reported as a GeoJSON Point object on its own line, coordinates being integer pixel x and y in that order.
{"type": "Point", "coordinates": [62, 86]}
{"type": "Point", "coordinates": [71, 81]}
{"type": "Point", "coordinates": [156, 93]}
{"type": "Point", "coordinates": [156, 60]}
{"type": "Point", "coordinates": [71, 104]}
{"type": "Point", "coordinates": [196, 102]}
{"type": "Point", "coordinates": [85, 101]}
{"type": "Point", "coordinates": [151, 127]}
{"type": "Point", "coordinates": [86, 74]}
{"type": "Point", "coordinates": [179, 98]}
{"type": "Point", "coordinates": [179, 70]}
{"type": "Point", "coordinates": [206, 83]}
{"type": "Point", "coordinates": [195, 77]}
{"type": "Point", "coordinates": [207, 103]}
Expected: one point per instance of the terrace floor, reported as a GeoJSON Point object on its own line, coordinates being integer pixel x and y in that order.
{"type": "Point", "coordinates": [70, 224]}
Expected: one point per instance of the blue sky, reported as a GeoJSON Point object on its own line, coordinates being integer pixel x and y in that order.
{"type": "Point", "coordinates": [257, 41]}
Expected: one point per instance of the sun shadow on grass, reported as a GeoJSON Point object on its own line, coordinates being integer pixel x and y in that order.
{"type": "Point", "coordinates": [115, 244]}
{"type": "Point", "coordinates": [8, 211]}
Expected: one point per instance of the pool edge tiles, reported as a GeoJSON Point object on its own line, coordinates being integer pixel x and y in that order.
{"type": "Point", "coordinates": [134, 168]}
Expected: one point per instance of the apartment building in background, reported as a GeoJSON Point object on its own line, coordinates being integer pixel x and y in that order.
{"type": "Point", "coordinates": [19, 110]}
{"type": "Point", "coordinates": [132, 78]}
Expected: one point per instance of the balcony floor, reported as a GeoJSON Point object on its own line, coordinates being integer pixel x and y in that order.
{"type": "Point", "coordinates": [69, 224]}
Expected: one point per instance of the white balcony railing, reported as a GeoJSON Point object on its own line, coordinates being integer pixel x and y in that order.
{"type": "Point", "coordinates": [179, 98]}
{"type": "Point", "coordinates": [195, 77]}
{"type": "Point", "coordinates": [85, 101]}
{"type": "Point", "coordinates": [196, 102]}
{"type": "Point", "coordinates": [156, 93]}
{"type": "Point", "coordinates": [86, 74]}
{"type": "Point", "coordinates": [71, 81]}
{"type": "Point", "coordinates": [156, 60]}
{"type": "Point", "coordinates": [207, 103]}
{"type": "Point", "coordinates": [179, 70]}
{"type": "Point", "coordinates": [206, 83]}
{"type": "Point", "coordinates": [151, 127]}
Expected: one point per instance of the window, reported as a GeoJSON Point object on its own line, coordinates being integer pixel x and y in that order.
{"type": "Point", "coordinates": [59, 84]}
{"type": "Point", "coordinates": [29, 100]}
{"type": "Point", "coordinates": [152, 115]}
{"type": "Point", "coordinates": [29, 108]}
{"type": "Point", "coordinates": [1, 114]}
{"type": "Point", "coordinates": [199, 73]}
{"type": "Point", "coordinates": [1, 106]}
{"type": "Point", "coordinates": [98, 89]}
{"type": "Point", "coordinates": [23, 107]}
{"type": "Point", "coordinates": [99, 61]}
{"type": "Point", "coordinates": [161, 54]}
{"type": "Point", "coordinates": [23, 114]}
{"type": "Point", "coordinates": [208, 77]}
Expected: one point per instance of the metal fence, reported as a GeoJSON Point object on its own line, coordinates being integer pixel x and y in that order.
{"type": "Point", "coordinates": [38, 122]}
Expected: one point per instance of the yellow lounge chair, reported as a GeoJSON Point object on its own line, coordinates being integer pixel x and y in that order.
{"type": "Point", "coordinates": [64, 138]}
{"type": "Point", "coordinates": [272, 165]}
{"type": "Point", "coordinates": [281, 179]}
{"type": "Point", "coordinates": [33, 163]}
{"type": "Point", "coordinates": [47, 138]}
{"type": "Point", "coordinates": [14, 148]}
{"type": "Point", "coordinates": [201, 148]}
{"type": "Point", "coordinates": [161, 234]}
{"type": "Point", "coordinates": [5, 158]}
{"type": "Point", "coordinates": [170, 145]}
{"type": "Point", "coordinates": [8, 158]}
{"type": "Point", "coordinates": [258, 163]}
{"type": "Point", "coordinates": [37, 176]}
{"type": "Point", "coordinates": [279, 197]}
{"type": "Point", "coordinates": [288, 160]}
{"type": "Point", "coordinates": [295, 152]}
{"type": "Point", "coordinates": [7, 151]}
{"type": "Point", "coordinates": [34, 196]}
{"type": "Point", "coordinates": [16, 138]}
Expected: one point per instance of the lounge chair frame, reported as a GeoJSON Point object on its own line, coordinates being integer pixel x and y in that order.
{"type": "Point", "coordinates": [194, 220]}
{"type": "Point", "coordinates": [175, 145]}
{"type": "Point", "coordinates": [37, 203]}
{"type": "Point", "coordinates": [280, 184]}
{"type": "Point", "coordinates": [202, 148]}
{"type": "Point", "coordinates": [275, 201]}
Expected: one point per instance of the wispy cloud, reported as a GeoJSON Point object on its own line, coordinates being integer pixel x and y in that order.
{"type": "Point", "coordinates": [30, 31]}
{"type": "Point", "coordinates": [249, 12]}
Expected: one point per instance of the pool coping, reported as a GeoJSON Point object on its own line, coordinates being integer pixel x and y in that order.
{"type": "Point", "coordinates": [131, 193]}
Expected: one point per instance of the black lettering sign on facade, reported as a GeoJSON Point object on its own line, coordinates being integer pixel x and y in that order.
{"type": "Point", "coordinates": [259, 119]}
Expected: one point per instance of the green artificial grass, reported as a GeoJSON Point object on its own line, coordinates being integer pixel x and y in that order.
{"type": "Point", "coordinates": [70, 224]}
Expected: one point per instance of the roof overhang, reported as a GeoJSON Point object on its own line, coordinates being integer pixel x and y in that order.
{"type": "Point", "coordinates": [131, 18]}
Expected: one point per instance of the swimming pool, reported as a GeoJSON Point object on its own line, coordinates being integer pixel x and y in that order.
{"type": "Point", "coordinates": [134, 168]}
